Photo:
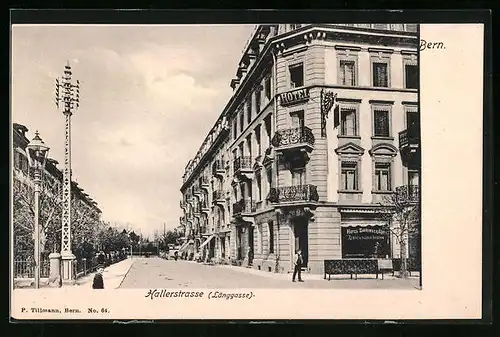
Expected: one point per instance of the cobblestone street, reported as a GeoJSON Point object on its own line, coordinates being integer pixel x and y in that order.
{"type": "Point", "coordinates": [160, 273]}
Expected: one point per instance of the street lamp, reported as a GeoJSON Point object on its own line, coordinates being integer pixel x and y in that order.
{"type": "Point", "coordinates": [37, 157]}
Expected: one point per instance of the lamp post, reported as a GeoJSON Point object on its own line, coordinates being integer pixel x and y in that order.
{"type": "Point", "coordinates": [37, 156]}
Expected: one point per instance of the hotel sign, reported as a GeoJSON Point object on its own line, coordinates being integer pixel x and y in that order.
{"type": "Point", "coordinates": [294, 97]}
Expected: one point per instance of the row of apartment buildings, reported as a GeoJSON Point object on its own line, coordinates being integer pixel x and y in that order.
{"type": "Point", "coordinates": [52, 179]}
{"type": "Point", "coordinates": [323, 124]}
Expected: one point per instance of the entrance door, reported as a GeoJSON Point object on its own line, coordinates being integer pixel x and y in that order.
{"type": "Point", "coordinates": [250, 244]}
{"type": "Point", "coordinates": [301, 238]}
{"type": "Point", "coordinates": [239, 253]}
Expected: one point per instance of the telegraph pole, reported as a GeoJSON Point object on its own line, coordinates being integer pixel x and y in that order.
{"type": "Point", "coordinates": [68, 101]}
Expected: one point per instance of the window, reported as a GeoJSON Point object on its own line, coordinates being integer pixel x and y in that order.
{"type": "Point", "coordinates": [235, 128]}
{"type": "Point", "coordinates": [383, 177]}
{"type": "Point", "coordinates": [413, 177]}
{"type": "Point", "coordinates": [268, 128]}
{"type": "Point", "coordinates": [257, 140]}
{"type": "Point", "coordinates": [349, 176]}
{"type": "Point", "coordinates": [296, 75]}
{"type": "Point", "coordinates": [347, 72]}
{"type": "Point", "coordinates": [411, 76]}
{"type": "Point", "coordinates": [298, 119]}
{"type": "Point", "coordinates": [380, 74]}
{"type": "Point", "coordinates": [242, 119]}
{"type": "Point", "coordinates": [381, 123]}
{"type": "Point", "coordinates": [348, 122]}
{"type": "Point", "coordinates": [267, 87]}
{"type": "Point", "coordinates": [298, 177]}
{"type": "Point", "coordinates": [249, 109]}
{"type": "Point", "coordinates": [271, 237]}
{"type": "Point", "coordinates": [259, 187]}
{"type": "Point", "coordinates": [257, 101]}
{"type": "Point", "coordinates": [269, 177]}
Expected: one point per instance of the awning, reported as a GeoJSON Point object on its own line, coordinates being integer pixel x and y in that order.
{"type": "Point", "coordinates": [206, 241]}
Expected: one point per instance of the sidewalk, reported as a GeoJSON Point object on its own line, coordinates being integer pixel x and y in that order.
{"type": "Point", "coordinates": [306, 276]}
{"type": "Point", "coordinates": [112, 275]}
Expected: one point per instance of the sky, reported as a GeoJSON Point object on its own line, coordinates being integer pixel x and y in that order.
{"type": "Point", "coordinates": [149, 95]}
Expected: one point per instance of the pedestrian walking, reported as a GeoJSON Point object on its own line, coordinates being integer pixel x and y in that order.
{"type": "Point", "coordinates": [297, 261]}
{"type": "Point", "coordinates": [98, 282]}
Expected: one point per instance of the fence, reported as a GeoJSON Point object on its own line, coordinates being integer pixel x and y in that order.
{"type": "Point", "coordinates": [25, 269]}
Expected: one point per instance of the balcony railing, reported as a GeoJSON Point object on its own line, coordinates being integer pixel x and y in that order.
{"type": "Point", "coordinates": [408, 193]}
{"type": "Point", "coordinates": [244, 206]}
{"type": "Point", "coordinates": [304, 193]}
{"type": "Point", "coordinates": [243, 163]}
{"type": "Point", "coordinates": [293, 137]}
{"type": "Point", "coordinates": [408, 138]}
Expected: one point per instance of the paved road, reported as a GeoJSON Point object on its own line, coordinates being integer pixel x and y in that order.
{"type": "Point", "coordinates": [160, 273]}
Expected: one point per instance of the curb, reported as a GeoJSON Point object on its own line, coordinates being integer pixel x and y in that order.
{"type": "Point", "coordinates": [123, 278]}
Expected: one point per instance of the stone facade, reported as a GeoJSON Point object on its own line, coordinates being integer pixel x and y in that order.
{"type": "Point", "coordinates": [281, 171]}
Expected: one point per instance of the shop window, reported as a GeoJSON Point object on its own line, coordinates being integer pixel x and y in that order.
{"type": "Point", "coordinates": [296, 75]}
{"type": "Point", "coordinates": [349, 176]}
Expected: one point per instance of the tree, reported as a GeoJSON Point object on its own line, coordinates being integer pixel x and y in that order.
{"type": "Point", "coordinates": [50, 210]}
{"type": "Point", "coordinates": [403, 220]}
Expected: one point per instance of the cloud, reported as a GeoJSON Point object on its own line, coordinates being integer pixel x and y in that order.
{"type": "Point", "coordinates": [149, 96]}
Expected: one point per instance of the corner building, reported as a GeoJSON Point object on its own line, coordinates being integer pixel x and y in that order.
{"type": "Point", "coordinates": [323, 123]}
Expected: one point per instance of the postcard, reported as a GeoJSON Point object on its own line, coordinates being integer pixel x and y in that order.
{"type": "Point", "coordinates": [247, 171]}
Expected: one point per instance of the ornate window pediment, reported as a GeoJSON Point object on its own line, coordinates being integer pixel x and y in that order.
{"type": "Point", "coordinates": [383, 149]}
{"type": "Point", "coordinates": [350, 149]}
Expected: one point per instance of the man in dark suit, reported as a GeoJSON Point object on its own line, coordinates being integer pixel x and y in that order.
{"type": "Point", "coordinates": [297, 260]}
{"type": "Point", "coordinates": [98, 280]}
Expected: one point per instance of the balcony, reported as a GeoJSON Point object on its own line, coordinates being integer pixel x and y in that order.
{"type": "Point", "coordinates": [218, 168]}
{"type": "Point", "coordinates": [294, 194]}
{"type": "Point", "coordinates": [409, 141]}
{"type": "Point", "coordinates": [218, 197]}
{"type": "Point", "coordinates": [294, 141]}
{"type": "Point", "coordinates": [244, 206]}
{"type": "Point", "coordinates": [408, 194]}
{"type": "Point", "coordinates": [242, 167]}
